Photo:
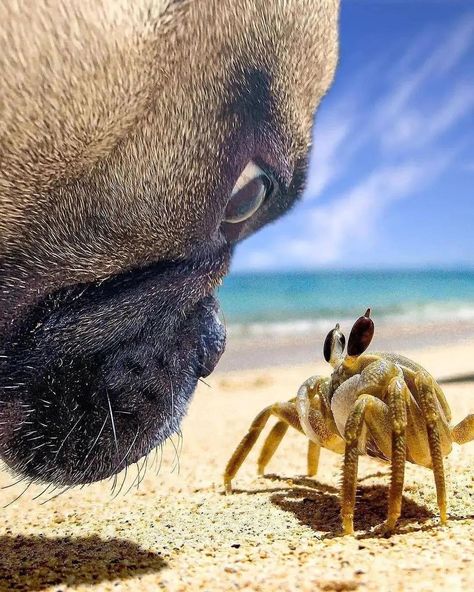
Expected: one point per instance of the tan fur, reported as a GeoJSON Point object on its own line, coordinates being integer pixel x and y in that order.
{"type": "Point", "coordinates": [111, 109]}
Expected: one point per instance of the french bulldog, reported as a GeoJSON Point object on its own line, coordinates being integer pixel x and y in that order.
{"type": "Point", "coordinates": [140, 141]}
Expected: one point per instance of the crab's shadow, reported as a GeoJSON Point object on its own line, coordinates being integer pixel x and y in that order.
{"type": "Point", "coordinates": [317, 506]}
{"type": "Point", "coordinates": [33, 563]}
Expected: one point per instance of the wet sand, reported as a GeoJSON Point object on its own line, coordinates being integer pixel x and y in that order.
{"type": "Point", "coordinates": [279, 532]}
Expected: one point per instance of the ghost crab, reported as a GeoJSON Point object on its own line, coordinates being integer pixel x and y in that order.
{"type": "Point", "coordinates": [380, 404]}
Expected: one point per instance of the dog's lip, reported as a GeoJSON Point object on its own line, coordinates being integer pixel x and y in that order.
{"type": "Point", "coordinates": [19, 299]}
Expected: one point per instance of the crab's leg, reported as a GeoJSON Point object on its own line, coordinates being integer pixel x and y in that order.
{"type": "Point", "coordinates": [270, 445]}
{"type": "Point", "coordinates": [398, 396]}
{"type": "Point", "coordinates": [377, 416]}
{"type": "Point", "coordinates": [286, 412]}
{"type": "Point", "coordinates": [244, 447]}
{"type": "Point", "coordinates": [353, 433]}
{"type": "Point", "coordinates": [276, 435]}
{"type": "Point", "coordinates": [314, 452]}
{"type": "Point", "coordinates": [463, 432]}
{"type": "Point", "coordinates": [429, 406]}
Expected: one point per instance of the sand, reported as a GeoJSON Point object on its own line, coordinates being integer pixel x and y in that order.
{"type": "Point", "coordinates": [179, 532]}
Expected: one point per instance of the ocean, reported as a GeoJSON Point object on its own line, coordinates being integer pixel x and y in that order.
{"type": "Point", "coordinates": [262, 304]}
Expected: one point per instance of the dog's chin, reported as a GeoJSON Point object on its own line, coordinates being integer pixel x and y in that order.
{"type": "Point", "coordinates": [86, 392]}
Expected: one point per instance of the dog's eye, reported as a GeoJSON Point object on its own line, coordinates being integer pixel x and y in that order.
{"type": "Point", "coordinates": [252, 188]}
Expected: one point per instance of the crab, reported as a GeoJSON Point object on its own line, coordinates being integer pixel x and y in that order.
{"type": "Point", "coordinates": [380, 404]}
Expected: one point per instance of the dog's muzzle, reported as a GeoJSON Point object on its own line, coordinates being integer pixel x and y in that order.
{"type": "Point", "coordinates": [97, 376]}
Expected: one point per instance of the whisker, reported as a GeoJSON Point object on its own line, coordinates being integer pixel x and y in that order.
{"type": "Point", "coordinates": [128, 451]}
{"type": "Point", "coordinates": [13, 484]}
{"type": "Point", "coordinates": [112, 421]}
{"type": "Point", "coordinates": [114, 484]}
{"type": "Point", "coordinates": [67, 488]}
{"type": "Point", "coordinates": [176, 457]}
{"type": "Point", "coordinates": [68, 434]}
{"type": "Point", "coordinates": [137, 477]}
{"type": "Point", "coordinates": [161, 459]}
{"type": "Point", "coordinates": [96, 440]}
{"type": "Point", "coordinates": [172, 397]}
{"type": "Point", "coordinates": [144, 471]}
{"type": "Point", "coordinates": [18, 496]}
{"type": "Point", "coordinates": [126, 466]}
{"type": "Point", "coordinates": [122, 484]}
{"type": "Point", "coordinates": [43, 491]}
{"type": "Point", "coordinates": [155, 454]}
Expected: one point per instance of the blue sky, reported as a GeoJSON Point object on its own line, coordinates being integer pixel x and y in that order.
{"type": "Point", "coordinates": [392, 170]}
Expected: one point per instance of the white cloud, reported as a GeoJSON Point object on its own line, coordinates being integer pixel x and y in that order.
{"type": "Point", "coordinates": [439, 62]}
{"type": "Point", "coordinates": [337, 133]}
{"type": "Point", "coordinates": [416, 128]}
{"type": "Point", "coordinates": [399, 119]}
{"type": "Point", "coordinates": [407, 125]}
{"type": "Point", "coordinates": [327, 233]}
{"type": "Point", "coordinates": [332, 135]}
{"type": "Point", "coordinates": [354, 216]}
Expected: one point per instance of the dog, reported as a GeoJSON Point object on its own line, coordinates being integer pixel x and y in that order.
{"type": "Point", "coordinates": [140, 142]}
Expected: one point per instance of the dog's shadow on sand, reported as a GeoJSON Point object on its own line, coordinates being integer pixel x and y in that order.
{"type": "Point", "coordinates": [34, 563]}
{"type": "Point", "coordinates": [317, 506]}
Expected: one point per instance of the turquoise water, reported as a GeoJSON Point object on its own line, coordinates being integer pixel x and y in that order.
{"type": "Point", "coordinates": [266, 302]}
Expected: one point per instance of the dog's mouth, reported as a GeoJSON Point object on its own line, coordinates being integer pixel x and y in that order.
{"type": "Point", "coordinates": [96, 377]}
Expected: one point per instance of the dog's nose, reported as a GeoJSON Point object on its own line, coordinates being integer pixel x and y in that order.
{"type": "Point", "coordinates": [212, 338]}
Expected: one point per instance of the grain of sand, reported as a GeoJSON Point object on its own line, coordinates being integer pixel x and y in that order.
{"type": "Point", "coordinates": [177, 532]}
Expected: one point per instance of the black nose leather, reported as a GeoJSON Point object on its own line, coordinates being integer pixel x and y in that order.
{"type": "Point", "coordinates": [213, 338]}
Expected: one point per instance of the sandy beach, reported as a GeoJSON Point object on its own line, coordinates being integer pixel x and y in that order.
{"type": "Point", "coordinates": [178, 532]}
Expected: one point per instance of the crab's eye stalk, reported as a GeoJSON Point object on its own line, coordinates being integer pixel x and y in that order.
{"type": "Point", "coordinates": [334, 345]}
{"type": "Point", "coordinates": [361, 335]}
